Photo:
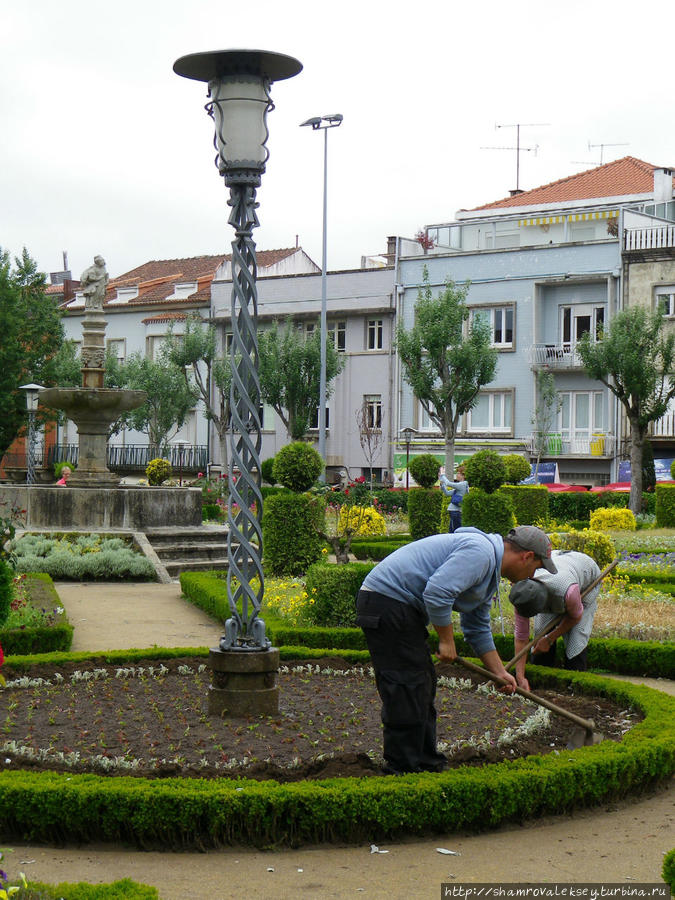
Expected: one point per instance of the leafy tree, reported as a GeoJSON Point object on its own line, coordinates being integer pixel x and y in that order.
{"type": "Point", "coordinates": [444, 364]}
{"type": "Point", "coordinates": [196, 354]}
{"type": "Point", "coordinates": [31, 334]}
{"type": "Point", "coordinates": [635, 358]}
{"type": "Point", "coordinates": [290, 374]}
{"type": "Point", "coordinates": [545, 413]}
{"type": "Point", "coordinates": [170, 397]}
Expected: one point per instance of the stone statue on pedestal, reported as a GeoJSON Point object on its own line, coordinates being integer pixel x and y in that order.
{"type": "Point", "coordinates": [93, 282]}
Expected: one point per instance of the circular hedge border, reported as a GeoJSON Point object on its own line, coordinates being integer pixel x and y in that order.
{"type": "Point", "coordinates": [185, 813]}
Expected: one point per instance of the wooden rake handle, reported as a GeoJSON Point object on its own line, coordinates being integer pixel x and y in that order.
{"type": "Point", "coordinates": [556, 622]}
{"type": "Point", "coordinates": [480, 670]}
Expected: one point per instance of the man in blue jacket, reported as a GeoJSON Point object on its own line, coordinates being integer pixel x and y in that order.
{"type": "Point", "coordinates": [423, 582]}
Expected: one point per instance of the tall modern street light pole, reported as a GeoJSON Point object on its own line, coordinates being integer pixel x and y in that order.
{"type": "Point", "coordinates": [239, 100]}
{"type": "Point", "coordinates": [323, 123]}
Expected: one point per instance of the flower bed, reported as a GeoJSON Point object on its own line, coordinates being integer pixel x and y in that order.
{"type": "Point", "coordinates": [197, 812]}
{"type": "Point", "coordinates": [80, 557]}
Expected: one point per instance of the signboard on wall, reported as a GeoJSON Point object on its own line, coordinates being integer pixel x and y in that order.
{"type": "Point", "coordinates": [547, 473]}
{"type": "Point", "coordinates": [661, 468]}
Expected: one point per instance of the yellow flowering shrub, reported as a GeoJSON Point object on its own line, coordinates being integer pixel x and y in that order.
{"type": "Point", "coordinates": [612, 519]}
{"type": "Point", "coordinates": [365, 520]}
{"type": "Point", "coordinates": [595, 544]}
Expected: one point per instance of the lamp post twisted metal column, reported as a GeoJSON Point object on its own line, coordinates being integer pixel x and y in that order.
{"type": "Point", "coordinates": [239, 100]}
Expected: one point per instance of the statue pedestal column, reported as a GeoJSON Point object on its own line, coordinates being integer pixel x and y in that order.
{"type": "Point", "coordinates": [243, 682]}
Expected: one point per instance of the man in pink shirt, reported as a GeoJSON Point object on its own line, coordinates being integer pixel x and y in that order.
{"type": "Point", "coordinates": [546, 597]}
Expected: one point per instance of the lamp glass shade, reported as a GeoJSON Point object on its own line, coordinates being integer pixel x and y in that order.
{"type": "Point", "coordinates": [239, 105]}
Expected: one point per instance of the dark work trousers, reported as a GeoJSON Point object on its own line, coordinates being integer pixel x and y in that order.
{"type": "Point", "coordinates": [406, 682]}
{"type": "Point", "coordinates": [455, 520]}
{"type": "Point", "coordinates": [578, 663]}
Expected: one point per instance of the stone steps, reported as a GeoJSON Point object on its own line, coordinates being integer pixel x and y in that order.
{"type": "Point", "coordinates": [194, 549]}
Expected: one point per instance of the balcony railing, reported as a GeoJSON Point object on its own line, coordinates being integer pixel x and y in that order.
{"type": "Point", "coordinates": [649, 238]}
{"type": "Point", "coordinates": [664, 427]}
{"type": "Point", "coordinates": [557, 443]}
{"type": "Point", "coordinates": [555, 356]}
{"type": "Point", "coordinates": [131, 457]}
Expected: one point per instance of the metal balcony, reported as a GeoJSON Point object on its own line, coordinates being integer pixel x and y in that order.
{"type": "Point", "coordinates": [555, 356]}
{"type": "Point", "coordinates": [598, 445]}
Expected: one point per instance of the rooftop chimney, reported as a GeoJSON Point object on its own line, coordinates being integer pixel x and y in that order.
{"type": "Point", "coordinates": [515, 191]}
{"type": "Point", "coordinates": [663, 185]}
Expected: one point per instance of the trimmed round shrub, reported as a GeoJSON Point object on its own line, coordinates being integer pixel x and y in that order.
{"type": "Point", "coordinates": [668, 870]}
{"type": "Point", "coordinates": [365, 519]}
{"type": "Point", "coordinates": [158, 470]}
{"type": "Point", "coordinates": [424, 469]}
{"type": "Point", "coordinates": [267, 470]}
{"type": "Point", "coordinates": [297, 466]}
{"type": "Point", "coordinates": [517, 467]}
{"type": "Point", "coordinates": [492, 513]}
{"type": "Point", "coordinates": [424, 512]}
{"type": "Point", "coordinates": [6, 590]}
{"type": "Point", "coordinates": [485, 470]}
{"type": "Point", "coordinates": [665, 505]}
{"type": "Point", "coordinates": [594, 543]}
{"type": "Point", "coordinates": [333, 590]}
{"type": "Point", "coordinates": [291, 525]}
{"type": "Point", "coordinates": [530, 501]}
{"type": "Point", "coordinates": [613, 519]}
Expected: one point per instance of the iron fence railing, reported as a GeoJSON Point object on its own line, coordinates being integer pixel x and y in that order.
{"type": "Point", "coordinates": [559, 443]}
{"type": "Point", "coordinates": [131, 457]}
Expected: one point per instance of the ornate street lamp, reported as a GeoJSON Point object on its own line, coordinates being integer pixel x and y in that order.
{"type": "Point", "coordinates": [239, 100]}
{"type": "Point", "coordinates": [323, 123]}
{"type": "Point", "coordinates": [407, 437]}
{"type": "Point", "coordinates": [31, 405]}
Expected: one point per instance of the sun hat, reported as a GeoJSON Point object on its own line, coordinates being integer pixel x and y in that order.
{"type": "Point", "coordinates": [529, 537]}
{"type": "Point", "coordinates": [531, 597]}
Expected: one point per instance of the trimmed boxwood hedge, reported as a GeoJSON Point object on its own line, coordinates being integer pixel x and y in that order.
{"type": "Point", "coordinates": [177, 813]}
{"type": "Point", "coordinates": [125, 889]}
{"type": "Point", "coordinates": [43, 639]}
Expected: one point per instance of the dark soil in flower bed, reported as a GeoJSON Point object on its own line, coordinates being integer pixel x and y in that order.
{"type": "Point", "coordinates": [152, 720]}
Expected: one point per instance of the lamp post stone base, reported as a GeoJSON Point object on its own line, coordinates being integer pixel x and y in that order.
{"type": "Point", "coordinates": [243, 683]}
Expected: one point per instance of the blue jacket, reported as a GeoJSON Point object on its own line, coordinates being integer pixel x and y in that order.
{"type": "Point", "coordinates": [437, 574]}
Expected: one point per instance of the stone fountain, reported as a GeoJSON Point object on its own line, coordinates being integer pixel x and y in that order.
{"type": "Point", "coordinates": [94, 497]}
{"type": "Point", "coordinates": [91, 407]}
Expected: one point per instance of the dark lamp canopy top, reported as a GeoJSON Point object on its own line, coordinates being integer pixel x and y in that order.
{"type": "Point", "coordinates": [220, 63]}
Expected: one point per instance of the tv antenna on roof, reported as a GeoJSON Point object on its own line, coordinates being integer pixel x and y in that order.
{"type": "Point", "coordinates": [518, 148]}
{"type": "Point", "coordinates": [602, 147]}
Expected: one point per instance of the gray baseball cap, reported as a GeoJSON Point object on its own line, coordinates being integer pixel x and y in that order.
{"type": "Point", "coordinates": [529, 537]}
{"type": "Point", "coordinates": [531, 597]}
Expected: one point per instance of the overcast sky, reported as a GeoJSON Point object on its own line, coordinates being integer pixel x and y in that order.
{"type": "Point", "coordinates": [104, 149]}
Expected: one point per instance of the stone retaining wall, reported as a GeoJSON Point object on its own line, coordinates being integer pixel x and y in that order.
{"type": "Point", "coordinates": [135, 508]}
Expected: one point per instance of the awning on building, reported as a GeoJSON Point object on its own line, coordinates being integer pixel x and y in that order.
{"type": "Point", "coordinates": [574, 217]}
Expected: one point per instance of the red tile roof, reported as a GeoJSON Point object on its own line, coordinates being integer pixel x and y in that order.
{"type": "Point", "coordinates": [156, 279]}
{"type": "Point", "coordinates": [165, 317]}
{"type": "Point", "coordinates": [614, 179]}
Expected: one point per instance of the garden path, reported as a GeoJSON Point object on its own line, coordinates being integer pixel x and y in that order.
{"type": "Point", "coordinates": [622, 842]}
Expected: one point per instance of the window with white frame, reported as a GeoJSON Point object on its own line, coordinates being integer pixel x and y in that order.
{"type": "Point", "coordinates": [582, 414]}
{"type": "Point", "coordinates": [424, 420]}
{"type": "Point", "coordinates": [153, 344]}
{"type": "Point", "coordinates": [117, 347]}
{"type": "Point", "coordinates": [373, 405]}
{"type": "Point", "coordinates": [314, 419]}
{"type": "Point", "coordinates": [493, 412]}
{"type": "Point", "coordinates": [578, 320]}
{"type": "Point", "coordinates": [375, 334]}
{"type": "Point", "coordinates": [664, 297]}
{"type": "Point", "coordinates": [338, 331]}
{"type": "Point", "coordinates": [500, 320]}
